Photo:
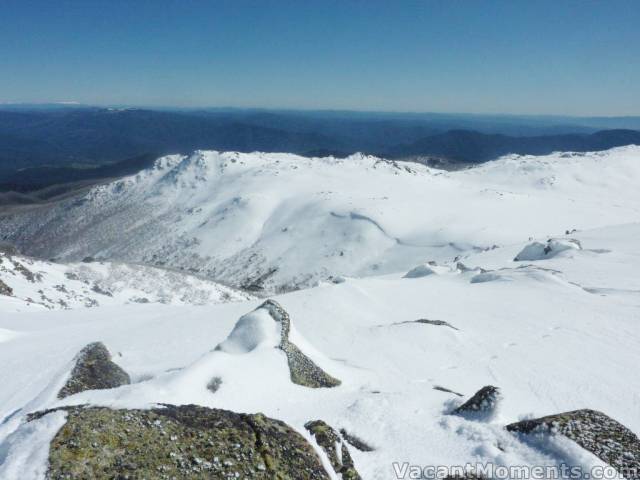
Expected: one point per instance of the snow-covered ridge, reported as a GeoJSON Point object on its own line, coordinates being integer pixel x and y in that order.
{"type": "Point", "coordinates": [273, 222]}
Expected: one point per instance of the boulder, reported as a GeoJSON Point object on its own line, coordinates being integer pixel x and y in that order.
{"type": "Point", "coordinates": [336, 450]}
{"type": "Point", "coordinates": [94, 370]}
{"type": "Point", "coordinates": [178, 442]}
{"type": "Point", "coordinates": [482, 405]}
{"type": "Point", "coordinates": [594, 431]}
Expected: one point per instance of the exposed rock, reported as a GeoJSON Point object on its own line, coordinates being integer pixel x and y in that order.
{"type": "Point", "coordinates": [5, 289]}
{"type": "Point", "coordinates": [336, 450]}
{"type": "Point", "coordinates": [214, 384]}
{"type": "Point", "coordinates": [94, 370]}
{"type": "Point", "coordinates": [179, 442]}
{"type": "Point", "coordinates": [428, 322]}
{"type": "Point", "coordinates": [482, 405]}
{"type": "Point", "coordinates": [302, 369]}
{"type": "Point", "coordinates": [446, 390]}
{"type": "Point", "coordinates": [356, 442]}
{"type": "Point", "coordinates": [594, 431]}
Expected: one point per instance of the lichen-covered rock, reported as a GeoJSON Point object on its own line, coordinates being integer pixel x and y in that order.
{"type": "Point", "coordinates": [303, 370]}
{"type": "Point", "coordinates": [178, 442]}
{"type": "Point", "coordinates": [483, 404]}
{"type": "Point", "coordinates": [594, 431]}
{"type": "Point", "coordinates": [94, 370]}
{"type": "Point", "coordinates": [336, 450]}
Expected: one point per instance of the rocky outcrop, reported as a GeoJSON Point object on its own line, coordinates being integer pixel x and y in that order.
{"type": "Point", "coordinates": [302, 369]}
{"type": "Point", "coordinates": [482, 405]}
{"type": "Point", "coordinates": [94, 370]}
{"type": "Point", "coordinates": [336, 450]}
{"type": "Point", "coordinates": [179, 442]}
{"type": "Point", "coordinates": [594, 431]}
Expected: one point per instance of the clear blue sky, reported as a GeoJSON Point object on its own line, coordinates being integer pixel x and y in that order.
{"type": "Point", "coordinates": [516, 56]}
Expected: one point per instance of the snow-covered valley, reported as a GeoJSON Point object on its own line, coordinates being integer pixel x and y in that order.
{"type": "Point", "coordinates": [413, 287]}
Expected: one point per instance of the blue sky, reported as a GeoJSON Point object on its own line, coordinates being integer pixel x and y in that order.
{"type": "Point", "coordinates": [530, 57]}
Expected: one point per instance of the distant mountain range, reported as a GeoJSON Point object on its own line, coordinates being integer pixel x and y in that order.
{"type": "Point", "coordinates": [51, 145]}
{"type": "Point", "coordinates": [473, 147]}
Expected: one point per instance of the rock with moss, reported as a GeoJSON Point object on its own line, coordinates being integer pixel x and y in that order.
{"type": "Point", "coordinates": [178, 442]}
{"type": "Point", "coordinates": [482, 405]}
{"type": "Point", "coordinates": [94, 370]}
{"type": "Point", "coordinates": [302, 369]}
{"type": "Point", "coordinates": [336, 450]}
{"type": "Point", "coordinates": [594, 431]}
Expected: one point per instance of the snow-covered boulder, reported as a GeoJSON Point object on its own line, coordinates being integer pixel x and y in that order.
{"type": "Point", "coordinates": [269, 326]}
{"type": "Point", "coordinates": [257, 329]}
{"type": "Point", "coordinates": [541, 251]}
{"type": "Point", "coordinates": [426, 269]}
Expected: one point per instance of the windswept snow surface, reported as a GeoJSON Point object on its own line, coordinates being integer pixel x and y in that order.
{"type": "Point", "coordinates": [554, 334]}
{"type": "Point", "coordinates": [281, 221]}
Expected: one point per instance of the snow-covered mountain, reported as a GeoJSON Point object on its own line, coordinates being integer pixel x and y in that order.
{"type": "Point", "coordinates": [520, 274]}
{"type": "Point", "coordinates": [28, 284]}
{"type": "Point", "coordinates": [278, 221]}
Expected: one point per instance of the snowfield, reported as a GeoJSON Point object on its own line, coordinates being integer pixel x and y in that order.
{"type": "Point", "coordinates": [389, 251]}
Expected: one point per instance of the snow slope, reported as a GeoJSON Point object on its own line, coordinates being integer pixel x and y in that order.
{"type": "Point", "coordinates": [279, 221]}
{"type": "Point", "coordinates": [554, 332]}
{"type": "Point", "coordinates": [548, 343]}
{"type": "Point", "coordinates": [36, 284]}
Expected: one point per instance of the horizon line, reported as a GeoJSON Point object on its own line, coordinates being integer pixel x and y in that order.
{"type": "Point", "coordinates": [73, 103]}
